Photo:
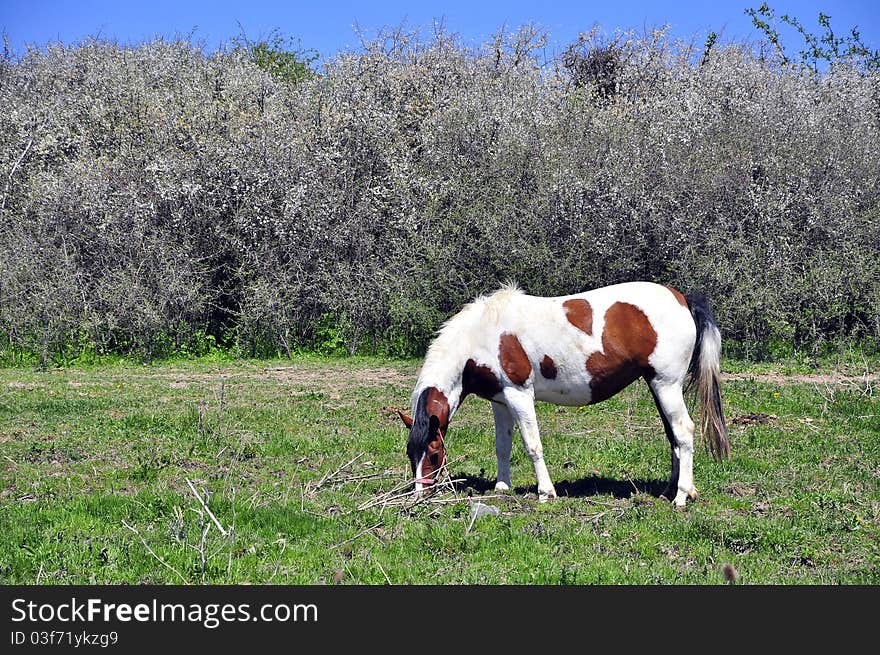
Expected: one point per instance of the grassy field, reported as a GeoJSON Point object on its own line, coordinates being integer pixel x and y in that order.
{"type": "Point", "coordinates": [104, 472]}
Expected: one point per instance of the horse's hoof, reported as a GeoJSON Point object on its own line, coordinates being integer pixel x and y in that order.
{"type": "Point", "coordinates": [544, 497]}
{"type": "Point", "coordinates": [680, 499]}
{"type": "Point", "coordinates": [502, 486]}
{"type": "Point", "coordinates": [692, 494]}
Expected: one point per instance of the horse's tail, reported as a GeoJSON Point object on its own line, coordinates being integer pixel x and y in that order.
{"type": "Point", "coordinates": [705, 376]}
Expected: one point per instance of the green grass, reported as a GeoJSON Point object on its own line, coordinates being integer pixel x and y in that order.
{"type": "Point", "coordinates": [85, 452]}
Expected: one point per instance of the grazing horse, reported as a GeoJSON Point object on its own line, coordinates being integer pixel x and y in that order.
{"type": "Point", "coordinates": [513, 349]}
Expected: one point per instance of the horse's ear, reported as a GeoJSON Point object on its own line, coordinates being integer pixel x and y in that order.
{"type": "Point", "coordinates": [407, 421]}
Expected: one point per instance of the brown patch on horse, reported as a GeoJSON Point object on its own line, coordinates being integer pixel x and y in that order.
{"type": "Point", "coordinates": [480, 380]}
{"type": "Point", "coordinates": [434, 459]}
{"type": "Point", "coordinates": [548, 367]}
{"type": "Point", "coordinates": [679, 296]}
{"type": "Point", "coordinates": [514, 360]}
{"type": "Point", "coordinates": [628, 339]}
{"type": "Point", "coordinates": [580, 314]}
{"type": "Point", "coordinates": [437, 405]}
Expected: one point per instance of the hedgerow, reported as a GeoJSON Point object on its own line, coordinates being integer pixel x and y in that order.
{"type": "Point", "coordinates": [157, 193]}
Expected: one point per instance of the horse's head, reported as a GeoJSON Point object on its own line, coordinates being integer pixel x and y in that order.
{"type": "Point", "coordinates": [425, 448]}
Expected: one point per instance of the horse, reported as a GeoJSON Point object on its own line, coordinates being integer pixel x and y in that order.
{"type": "Point", "coordinates": [513, 349]}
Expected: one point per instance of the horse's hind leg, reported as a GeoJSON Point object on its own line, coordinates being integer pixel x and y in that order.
{"type": "Point", "coordinates": [522, 406]}
{"type": "Point", "coordinates": [680, 432]}
{"type": "Point", "coordinates": [672, 486]}
{"type": "Point", "coordinates": [503, 440]}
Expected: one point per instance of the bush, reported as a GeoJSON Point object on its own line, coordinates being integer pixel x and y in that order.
{"type": "Point", "coordinates": [156, 194]}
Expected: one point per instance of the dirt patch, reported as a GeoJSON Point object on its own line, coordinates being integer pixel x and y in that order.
{"type": "Point", "coordinates": [742, 489]}
{"type": "Point", "coordinates": [381, 375]}
{"type": "Point", "coordinates": [30, 386]}
{"type": "Point", "coordinates": [294, 374]}
{"type": "Point", "coordinates": [811, 378]}
{"type": "Point", "coordinates": [756, 418]}
{"type": "Point", "coordinates": [333, 381]}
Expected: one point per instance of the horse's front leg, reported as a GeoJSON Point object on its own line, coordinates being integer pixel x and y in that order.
{"type": "Point", "coordinates": [521, 404]}
{"type": "Point", "coordinates": [503, 440]}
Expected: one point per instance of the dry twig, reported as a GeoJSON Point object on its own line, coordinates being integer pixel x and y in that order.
{"type": "Point", "coordinates": [153, 553]}
{"type": "Point", "coordinates": [205, 507]}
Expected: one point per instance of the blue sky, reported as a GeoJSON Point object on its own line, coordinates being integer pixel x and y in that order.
{"type": "Point", "coordinates": [329, 26]}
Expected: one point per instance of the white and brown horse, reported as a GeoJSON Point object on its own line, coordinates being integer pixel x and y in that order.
{"type": "Point", "coordinates": [513, 349]}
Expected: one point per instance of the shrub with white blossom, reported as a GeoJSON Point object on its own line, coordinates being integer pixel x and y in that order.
{"type": "Point", "coordinates": [153, 194]}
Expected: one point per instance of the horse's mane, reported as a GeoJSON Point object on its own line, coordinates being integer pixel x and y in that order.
{"type": "Point", "coordinates": [456, 336]}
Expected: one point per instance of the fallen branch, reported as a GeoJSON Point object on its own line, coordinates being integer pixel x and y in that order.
{"type": "Point", "coordinates": [205, 507]}
{"type": "Point", "coordinates": [357, 536]}
{"type": "Point", "coordinates": [392, 495]}
{"type": "Point", "coordinates": [387, 579]}
{"type": "Point", "coordinates": [330, 476]}
{"type": "Point", "coordinates": [153, 553]}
